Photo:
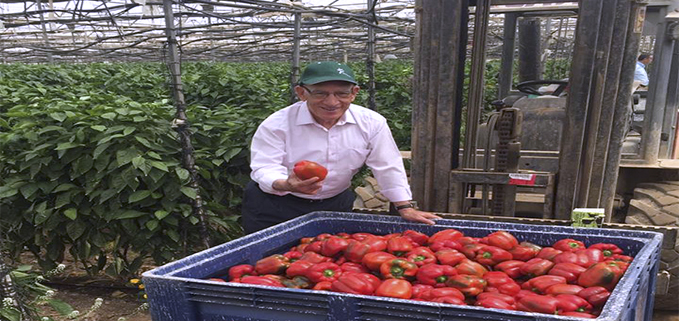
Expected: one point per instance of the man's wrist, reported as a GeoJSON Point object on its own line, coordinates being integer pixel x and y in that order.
{"type": "Point", "coordinates": [281, 185]}
{"type": "Point", "coordinates": [403, 205]}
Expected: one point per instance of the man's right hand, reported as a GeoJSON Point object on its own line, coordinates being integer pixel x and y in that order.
{"type": "Point", "coordinates": [293, 183]}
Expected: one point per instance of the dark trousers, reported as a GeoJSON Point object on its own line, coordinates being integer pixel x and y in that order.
{"type": "Point", "coordinates": [261, 210]}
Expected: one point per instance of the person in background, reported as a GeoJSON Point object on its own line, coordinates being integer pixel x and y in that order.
{"type": "Point", "coordinates": [324, 127]}
{"type": "Point", "coordinates": [640, 74]}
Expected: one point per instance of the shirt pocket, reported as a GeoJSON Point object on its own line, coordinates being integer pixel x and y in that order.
{"type": "Point", "coordinates": [353, 158]}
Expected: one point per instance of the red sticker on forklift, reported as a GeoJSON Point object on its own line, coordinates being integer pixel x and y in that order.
{"type": "Point", "coordinates": [521, 179]}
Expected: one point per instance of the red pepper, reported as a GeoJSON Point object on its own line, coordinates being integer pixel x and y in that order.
{"type": "Point", "coordinates": [501, 239]}
{"type": "Point", "coordinates": [416, 237]}
{"type": "Point", "coordinates": [584, 258]}
{"type": "Point", "coordinates": [621, 258]}
{"type": "Point", "coordinates": [445, 245]}
{"type": "Point", "coordinates": [434, 274]}
{"type": "Point", "coordinates": [353, 267]}
{"type": "Point", "coordinates": [343, 235]}
{"type": "Point", "coordinates": [399, 245]}
{"type": "Point", "coordinates": [604, 274]}
{"type": "Point", "coordinates": [449, 300]}
{"type": "Point", "coordinates": [466, 240]}
{"type": "Point", "coordinates": [323, 286]}
{"type": "Point", "coordinates": [578, 315]}
{"type": "Point", "coordinates": [525, 251]}
{"type": "Point", "coordinates": [361, 236]}
{"type": "Point", "coordinates": [501, 282]}
{"type": "Point", "coordinates": [374, 260]}
{"type": "Point", "coordinates": [470, 250]}
{"type": "Point", "coordinates": [306, 240]}
{"type": "Point", "coordinates": [469, 285]}
{"type": "Point", "coordinates": [398, 269]}
{"type": "Point", "coordinates": [300, 247]}
{"type": "Point", "coordinates": [421, 256]}
{"type": "Point", "coordinates": [356, 250]}
{"type": "Point", "coordinates": [293, 256]}
{"type": "Point", "coordinates": [563, 289]}
{"type": "Point", "coordinates": [447, 234]}
{"type": "Point", "coordinates": [606, 248]}
{"type": "Point", "coordinates": [222, 280]}
{"type": "Point", "coordinates": [306, 169]}
{"type": "Point", "coordinates": [541, 283]}
{"type": "Point", "coordinates": [548, 253]}
{"type": "Point", "coordinates": [470, 267]}
{"type": "Point", "coordinates": [314, 246]}
{"type": "Point", "coordinates": [570, 271]}
{"type": "Point", "coordinates": [260, 280]}
{"type": "Point", "coordinates": [333, 246]}
{"type": "Point", "coordinates": [595, 295]}
{"type": "Point", "coordinates": [572, 303]}
{"type": "Point", "coordinates": [239, 271]}
{"type": "Point", "coordinates": [323, 236]}
{"type": "Point", "coordinates": [356, 283]}
{"type": "Point", "coordinates": [536, 267]}
{"type": "Point", "coordinates": [314, 257]}
{"type": "Point", "coordinates": [298, 267]}
{"type": "Point", "coordinates": [569, 245]}
{"type": "Point", "coordinates": [511, 267]}
{"type": "Point", "coordinates": [494, 300]}
{"type": "Point", "coordinates": [422, 291]}
{"type": "Point", "coordinates": [450, 257]}
{"type": "Point", "coordinates": [297, 282]}
{"type": "Point", "coordinates": [538, 303]}
{"type": "Point", "coordinates": [326, 271]}
{"type": "Point", "coordinates": [273, 264]}
{"type": "Point", "coordinates": [395, 288]}
{"type": "Point", "coordinates": [491, 255]}
{"type": "Point", "coordinates": [377, 243]}
{"type": "Point", "coordinates": [445, 292]}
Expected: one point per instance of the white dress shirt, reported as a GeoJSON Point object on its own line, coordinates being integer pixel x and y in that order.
{"type": "Point", "coordinates": [361, 136]}
{"type": "Point", "coordinates": [640, 73]}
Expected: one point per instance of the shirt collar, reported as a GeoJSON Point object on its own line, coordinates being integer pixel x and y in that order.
{"type": "Point", "coordinates": [304, 116]}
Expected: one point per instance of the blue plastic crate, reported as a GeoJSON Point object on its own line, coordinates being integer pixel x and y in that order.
{"type": "Point", "coordinates": [179, 291]}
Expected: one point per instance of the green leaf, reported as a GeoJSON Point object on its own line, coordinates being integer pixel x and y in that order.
{"type": "Point", "coordinates": [231, 153]}
{"type": "Point", "coordinates": [28, 190]}
{"type": "Point", "coordinates": [62, 199]}
{"type": "Point", "coordinates": [60, 117]}
{"type": "Point", "coordinates": [161, 214]}
{"type": "Point", "coordinates": [155, 155]}
{"type": "Point", "coordinates": [182, 173]}
{"type": "Point", "coordinates": [143, 141]}
{"type": "Point", "coordinates": [76, 229]}
{"type": "Point", "coordinates": [173, 235]}
{"type": "Point", "coordinates": [68, 145]}
{"type": "Point", "coordinates": [129, 214]}
{"type": "Point", "coordinates": [109, 116]}
{"type": "Point", "coordinates": [139, 195]}
{"type": "Point", "coordinates": [188, 191]}
{"type": "Point", "coordinates": [159, 165]}
{"type": "Point", "coordinates": [8, 191]}
{"type": "Point", "coordinates": [71, 213]}
{"type": "Point", "coordinates": [105, 195]}
{"type": "Point", "coordinates": [100, 149]}
{"type": "Point", "coordinates": [128, 130]}
{"type": "Point", "coordinates": [125, 156]}
{"type": "Point", "coordinates": [64, 187]}
{"type": "Point", "coordinates": [60, 306]}
{"type": "Point", "coordinates": [152, 225]}
{"type": "Point", "coordinates": [99, 128]}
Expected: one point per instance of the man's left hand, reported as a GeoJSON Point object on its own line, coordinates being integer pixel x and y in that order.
{"type": "Point", "coordinates": [414, 215]}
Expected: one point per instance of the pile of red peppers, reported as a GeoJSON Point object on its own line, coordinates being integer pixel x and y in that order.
{"type": "Point", "coordinates": [496, 271]}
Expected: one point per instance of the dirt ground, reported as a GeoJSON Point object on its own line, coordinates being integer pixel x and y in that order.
{"type": "Point", "coordinates": [117, 303]}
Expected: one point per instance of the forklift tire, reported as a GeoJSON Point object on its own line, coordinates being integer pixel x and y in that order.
{"type": "Point", "coordinates": [658, 204]}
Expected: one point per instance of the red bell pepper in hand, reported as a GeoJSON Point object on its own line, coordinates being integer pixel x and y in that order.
{"type": "Point", "coordinates": [434, 274]}
{"type": "Point", "coordinates": [395, 288]}
{"type": "Point", "coordinates": [606, 248]}
{"type": "Point", "coordinates": [572, 303]}
{"type": "Point", "coordinates": [273, 264]}
{"type": "Point", "coordinates": [570, 271]}
{"type": "Point", "coordinates": [334, 245]}
{"type": "Point", "coordinates": [548, 253]}
{"type": "Point", "coordinates": [374, 260]}
{"type": "Point", "coordinates": [501, 239]}
{"type": "Point", "coordinates": [398, 269]}
{"type": "Point", "coordinates": [356, 250]}
{"type": "Point", "coordinates": [595, 295]}
{"type": "Point", "coordinates": [541, 283]}
{"type": "Point", "coordinates": [239, 271]}
{"type": "Point", "coordinates": [501, 282]}
{"type": "Point", "coordinates": [569, 245]}
{"type": "Point", "coordinates": [314, 257]}
{"type": "Point", "coordinates": [326, 271]}
{"type": "Point", "coordinates": [323, 286]}
{"type": "Point", "coordinates": [416, 237]}
{"type": "Point", "coordinates": [470, 267]}
{"type": "Point", "coordinates": [469, 285]}
{"type": "Point", "coordinates": [353, 267]}
{"type": "Point", "coordinates": [495, 300]}
{"type": "Point", "coordinates": [605, 274]}
{"type": "Point", "coordinates": [450, 257]}
{"type": "Point", "coordinates": [260, 280]}
{"type": "Point", "coordinates": [306, 169]}
{"type": "Point", "coordinates": [399, 245]}
{"type": "Point", "coordinates": [538, 303]}
{"type": "Point", "coordinates": [563, 289]}
{"type": "Point", "coordinates": [511, 267]}
{"type": "Point", "coordinates": [421, 256]}
{"type": "Point", "coordinates": [584, 258]}
{"type": "Point", "coordinates": [536, 267]}
{"type": "Point", "coordinates": [525, 251]}
{"type": "Point", "coordinates": [447, 234]}
{"type": "Point", "coordinates": [299, 267]}
{"type": "Point", "coordinates": [578, 315]}
{"type": "Point", "coordinates": [356, 283]}
{"type": "Point", "coordinates": [445, 245]}
{"type": "Point", "coordinates": [491, 255]}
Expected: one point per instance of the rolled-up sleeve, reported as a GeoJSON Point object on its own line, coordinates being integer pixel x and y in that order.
{"type": "Point", "coordinates": [267, 154]}
{"type": "Point", "coordinates": [386, 163]}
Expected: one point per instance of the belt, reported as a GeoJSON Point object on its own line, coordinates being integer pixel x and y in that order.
{"type": "Point", "coordinates": [308, 200]}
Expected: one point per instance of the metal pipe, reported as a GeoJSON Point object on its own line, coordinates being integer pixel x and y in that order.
{"type": "Point", "coordinates": [370, 61]}
{"type": "Point", "coordinates": [294, 72]}
{"type": "Point", "coordinates": [507, 61]}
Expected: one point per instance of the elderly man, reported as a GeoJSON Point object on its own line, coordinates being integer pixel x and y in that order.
{"type": "Point", "coordinates": [640, 74]}
{"type": "Point", "coordinates": [324, 127]}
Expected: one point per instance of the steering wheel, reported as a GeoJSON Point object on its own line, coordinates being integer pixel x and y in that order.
{"type": "Point", "coordinates": [528, 87]}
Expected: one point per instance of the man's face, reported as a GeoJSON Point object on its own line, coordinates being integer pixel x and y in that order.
{"type": "Point", "coordinates": [328, 101]}
{"type": "Point", "coordinates": [647, 60]}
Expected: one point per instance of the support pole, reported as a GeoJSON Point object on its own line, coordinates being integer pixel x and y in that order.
{"type": "Point", "coordinates": [294, 73]}
{"type": "Point", "coordinates": [507, 62]}
{"type": "Point", "coordinates": [181, 123]}
{"type": "Point", "coordinates": [529, 49]}
{"type": "Point", "coordinates": [44, 32]}
{"type": "Point", "coordinates": [370, 61]}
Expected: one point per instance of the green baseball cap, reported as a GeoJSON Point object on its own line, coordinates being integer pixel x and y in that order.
{"type": "Point", "coordinates": [322, 71]}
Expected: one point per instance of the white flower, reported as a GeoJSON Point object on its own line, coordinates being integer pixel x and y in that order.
{"type": "Point", "coordinates": [8, 302]}
{"type": "Point", "coordinates": [61, 268]}
{"type": "Point", "coordinates": [39, 278]}
{"type": "Point", "coordinates": [49, 293]}
{"type": "Point", "coordinates": [73, 314]}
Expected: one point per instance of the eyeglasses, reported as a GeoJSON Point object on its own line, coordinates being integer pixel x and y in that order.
{"type": "Point", "coordinates": [320, 95]}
